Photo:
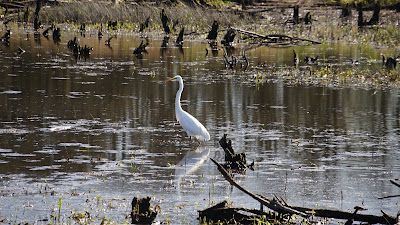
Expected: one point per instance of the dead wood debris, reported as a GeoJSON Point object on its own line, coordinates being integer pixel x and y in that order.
{"type": "Point", "coordinates": [225, 214]}
{"type": "Point", "coordinates": [277, 39]}
{"type": "Point", "coordinates": [234, 162]}
{"type": "Point", "coordinates": [141, 211]}
{"type": "Point", "coordinates": [281, 207]}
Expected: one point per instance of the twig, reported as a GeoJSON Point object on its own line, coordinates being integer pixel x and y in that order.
{"type": "Point", "coordinates": [389, 196]}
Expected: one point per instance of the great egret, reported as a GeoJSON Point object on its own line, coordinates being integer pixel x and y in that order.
{"type": "Point", "coordinates": [190, 124]}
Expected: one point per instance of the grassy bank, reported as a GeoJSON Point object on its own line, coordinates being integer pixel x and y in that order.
{"type": "Point", "coordinates": [130, 16]}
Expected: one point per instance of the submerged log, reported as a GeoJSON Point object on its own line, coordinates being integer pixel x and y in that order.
{"type": "Point", "coordinates": [282, 207]}
{"type": "Point", "coordinates": [141, 212]}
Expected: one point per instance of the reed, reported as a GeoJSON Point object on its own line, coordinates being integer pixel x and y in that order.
{"type": "Point", "coordinates": [195, 18]}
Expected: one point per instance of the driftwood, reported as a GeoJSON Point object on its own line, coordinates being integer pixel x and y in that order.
{"type": "Point", "coordinates": [276, 38]}
{"type": "Point", "coordinates": [280, 206]}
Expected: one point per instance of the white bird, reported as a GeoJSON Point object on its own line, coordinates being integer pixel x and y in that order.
{"type": "Point", "coordinates": [190, 124]}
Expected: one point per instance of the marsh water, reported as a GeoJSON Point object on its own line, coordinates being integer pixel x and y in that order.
{"type": "Point", "coordinates": [84, 136]}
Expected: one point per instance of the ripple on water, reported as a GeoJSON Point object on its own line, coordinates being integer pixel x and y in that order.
{"type": "Point", "coordinates": [48, 151]}
{"type": "Point", "coordinates": [42, 168]}
{"type": "Point", "coordinates": [11, 92]}
{"type": "Point", "coordinates": [16, 154]}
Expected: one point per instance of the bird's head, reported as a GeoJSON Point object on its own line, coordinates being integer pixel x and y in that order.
{"type": "Point", "coordinates": [175, 78]}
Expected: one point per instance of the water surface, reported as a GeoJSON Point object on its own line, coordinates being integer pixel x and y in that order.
{"type": "Point", "coordinates": [96, 132]}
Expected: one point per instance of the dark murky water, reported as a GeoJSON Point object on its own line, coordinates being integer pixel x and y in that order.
{"type": "Point", "coordinates": [95, 132]}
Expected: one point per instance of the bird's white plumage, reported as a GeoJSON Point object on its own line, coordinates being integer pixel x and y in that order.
{"type": "Point", "coordinates": [190, 124]}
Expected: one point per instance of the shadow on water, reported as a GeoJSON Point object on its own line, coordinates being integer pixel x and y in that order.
{"type": "Point", "coordinates": [97, 132]}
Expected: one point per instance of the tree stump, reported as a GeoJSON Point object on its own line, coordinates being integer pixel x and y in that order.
{"type": "Point", "coordinates": [141, 211]}
{"type": "Point", "coordinates": [212, 35]}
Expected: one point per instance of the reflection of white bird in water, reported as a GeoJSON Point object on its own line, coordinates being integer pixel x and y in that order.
{"type": "Point", "coordinates": [189, 164]}
{"type": "Point", "coordinates": [190, 124]}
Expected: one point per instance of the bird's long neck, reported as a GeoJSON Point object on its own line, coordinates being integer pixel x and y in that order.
{"type": "Point", "coordinates": [178, 107]}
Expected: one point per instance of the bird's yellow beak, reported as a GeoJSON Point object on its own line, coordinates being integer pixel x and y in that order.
{"type": "Point", "coordinates": [171, 79]}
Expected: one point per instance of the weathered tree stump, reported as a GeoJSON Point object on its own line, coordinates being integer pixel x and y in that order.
{"type": "Point", "coordinates": [165, 21]}
{"type": "Point", "coordinates": [36, 23]}
{"type": "Point", "coordinates": [374, 19]}
{"type": "Point", "coordinates": [141, 48]}
{"type": "Point", "coordinates": [141, 211]}
{"type": "Point", "coordinates": [179, 39]}
{"type": "Point", "coordinates": [346, 11]}
{"type": "Point", "coordinates": [307, 18]}
{"type": "Point", "coordinates": [296, 14]}
{"type": "Point", "coordinates": [144, 25]}
{"type": "Point", "coordinates": [375, 16]}
{"type": "Point", "coordinates": [229, 37]}
{"type": "Point", "coordinates": [212, 35]}
{"type": "Point", "coordinates": [234, 162]}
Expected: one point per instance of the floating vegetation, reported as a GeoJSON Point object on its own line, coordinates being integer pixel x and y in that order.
{"type": "Point", "coordinates": [331, 77]}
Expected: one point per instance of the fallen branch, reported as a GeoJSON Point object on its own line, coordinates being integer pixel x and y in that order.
{"type": "Point", "coordinates": [274, 38]}
{"type": "Point", "coordinates": [395, 183]}
{"type": "Point", "coordinates": [282, 207]}
{"type": "Point", "coordinates": [272, 204]}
